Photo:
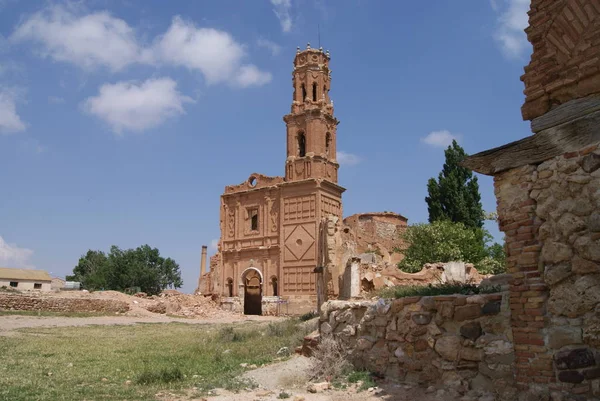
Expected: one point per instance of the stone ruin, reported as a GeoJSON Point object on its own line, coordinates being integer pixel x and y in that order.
{"type": "Point", "coordinates": [545, 339]}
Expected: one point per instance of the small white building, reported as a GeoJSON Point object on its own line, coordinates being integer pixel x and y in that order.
{"type": "Point", "coordinates": [25, 279]}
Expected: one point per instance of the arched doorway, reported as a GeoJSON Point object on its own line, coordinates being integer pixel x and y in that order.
{"type": "Point", "coordinates": [252, 280]}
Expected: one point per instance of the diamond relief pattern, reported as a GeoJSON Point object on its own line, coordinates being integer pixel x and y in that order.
{"type": "Point", "coordinates": [299, 241]}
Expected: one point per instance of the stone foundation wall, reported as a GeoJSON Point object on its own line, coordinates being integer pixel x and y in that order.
{"type": "Point", "coordinates": [550, 214]}
{"type": "Point", "coordinates": [52, 304]}
{"type": "Point", "coordinates": [459, 341]}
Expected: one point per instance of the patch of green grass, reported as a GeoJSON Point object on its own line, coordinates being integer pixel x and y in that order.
{"type": "Point", "coordinates": [308, 316]}
{"type": "Point", "coordinates": [52, 314]}
{"type": "Point", "coordinates": [402, 291]}
{"type": "Point", "coordinates": [283, 395]}
{"type": "Point", "coordinates": [162, 376]}
{"type": "Point", "coordinates": [362, 376]}
{"type": "Point", "coordinates": [135, 362]}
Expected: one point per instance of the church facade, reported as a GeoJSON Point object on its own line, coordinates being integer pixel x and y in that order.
{"type": "Point", "coordinates": [271, 239]}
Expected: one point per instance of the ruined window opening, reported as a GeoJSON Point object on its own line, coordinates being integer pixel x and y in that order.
{"type": "Point", "coordinates": [303, 92]}
{"type": "Point", "coordinates": [327, 143]}
{"type": "Point", "coordinates": [314, 92]}
{"type": "Point", "coordinates": [37, 286]}
{"type": "Point", "coordinates": [301, 145]}
{"type": "Point", "coordinates": [275, 289]}
{"type": "Point", "coordinates": [324, 92]}
{"type": "Point", "coordinates": [253, 219]}
{"type": "Point", "coordinates": [14, 284]}
{"type": "Point", "coordinates": [230, 287]}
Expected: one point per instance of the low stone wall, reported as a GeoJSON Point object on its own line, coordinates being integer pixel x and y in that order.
{"type": "Point", "coordinates": [53, 304]}
{"type": "Point", "coordinates": [458, 341]}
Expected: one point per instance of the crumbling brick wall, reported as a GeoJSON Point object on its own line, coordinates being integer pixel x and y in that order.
{"type": "Point", "coordinates": [565, 63]}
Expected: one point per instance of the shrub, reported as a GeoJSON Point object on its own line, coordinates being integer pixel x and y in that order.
{"type": "Point", "coordinates": [164, 376]}
{"type": "Point", "coordinates": [330, 361]}
{"type": "Point", "coordinates": [366, 378]}
{"type": "Point", "coordinates": [308, 316]}
{"type": "Point", "coordinates": [433, 290]}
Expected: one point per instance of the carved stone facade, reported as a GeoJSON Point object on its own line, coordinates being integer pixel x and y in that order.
{"type": "Point", "coordinates": [269, 243]}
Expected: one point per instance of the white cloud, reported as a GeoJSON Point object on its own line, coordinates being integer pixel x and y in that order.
{"type": "Point", "coordinates": [127, 106]}
{"type": "Point", "coordinates": [13, 256]}
{"type": "Point", "coordinates": [214, 245]}
{"type": "Point", "coordinates": [215, 53]}
{"type": "Point", "coordinates": [512, 21]}
{"type": "Point", "coordinates": [10, 121]}
{"type": "Point", "coordinates": [88, 41]}
{"type": "Point", "coordinates": [273, 47]}
{"type": "Point", "coordinates": [281, 8]}
{"type": "Point", "coordinates": [98, 40]}
{"type": "Point", "coordinates": [441, 139]}
{"type": "Point", "coordinates": [347, 159]}
{"type": "Point", "coordinates": [250, 75]}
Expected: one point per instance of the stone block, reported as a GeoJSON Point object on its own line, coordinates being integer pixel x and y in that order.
{"type": "Point", "coordinates": [448, 347]}
{"type": "Point", "coordinates": [554, 274]}
{"type": "Point", "coordinates": [570, 376]}
{"type": "Point", "coordinates": [574, 359]}
{"type": "Point", "coordinates": [556, 252]}
{"type": "Point", "coordinates": [467, 312]}
{"type": "Point", "coordinates": [471, 330]}
{"type": "Point", "coordinates": [583, 266]}
{"type": "Point", "coordinates": [471, 354]}
{"type": "Point", "coordinates": [491, 308]}
{"type": "Point", "coordinates": [560, 336]}
{"type": "Point", "coordinates": [590, 163]}
{"type": "Point", "coordinates": [421, 318]}
{"type": "Point", "coordinates": [591, 374]}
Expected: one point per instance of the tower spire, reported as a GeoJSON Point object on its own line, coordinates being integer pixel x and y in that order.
{"type": "Point", "coordinates": [311, 126]}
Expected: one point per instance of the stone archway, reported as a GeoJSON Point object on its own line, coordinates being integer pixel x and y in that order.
{"type": "Point", "coordinates": [253, 281]}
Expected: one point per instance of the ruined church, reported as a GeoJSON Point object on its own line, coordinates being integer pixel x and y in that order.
{"type": "Point", "coordinates": [273, 229]}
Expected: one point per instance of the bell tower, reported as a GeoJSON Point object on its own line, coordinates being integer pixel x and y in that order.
{"type": "Point", "coordinates": [311, 126]}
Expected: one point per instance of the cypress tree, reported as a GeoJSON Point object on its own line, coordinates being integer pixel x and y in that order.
{"type": "Point", "coordinates": [455, 195]}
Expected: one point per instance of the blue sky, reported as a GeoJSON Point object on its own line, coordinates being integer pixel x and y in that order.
{"type": "Point", "coordinates": [122, 122]}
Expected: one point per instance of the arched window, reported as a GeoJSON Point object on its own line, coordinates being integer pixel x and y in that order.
{"type": "Point", "coordinates": [314, 92]}
{"type": "Point", "coordinates": [327, 143]}
{"type": "Point", "coordinates": [303, 92]}
{"type": "Point", "coordinates": [274, 284]}
{"type": "Point", "coordinates": [301, 145]}
{"type": "Point", "coordinates": [230, 287]}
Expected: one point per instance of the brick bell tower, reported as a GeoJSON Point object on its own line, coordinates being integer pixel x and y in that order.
{"type": "Point", "coordinates": [311, 126]}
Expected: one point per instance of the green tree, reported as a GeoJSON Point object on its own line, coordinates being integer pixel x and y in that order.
{"type": "Point", "coordinates": [455, 195]}
{"type": "Point", "coordinates": [445, 241]}
{"type": "Point", "coordinates": [121, 269]}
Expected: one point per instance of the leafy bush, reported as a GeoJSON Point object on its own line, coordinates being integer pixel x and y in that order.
{"type": "Point", "coordinates": [445, 241]}
{"type": "Point", "coordinates": [433, 290]}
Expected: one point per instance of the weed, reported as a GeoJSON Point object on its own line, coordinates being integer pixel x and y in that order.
{"type": "Point", "coordinates": [308, 316]}
{"type": "Point", "coordinates": [362, 376]}
{"type": "Point", "coordinates": [330, 361]}
{"type": "Point", "coordinates": [164, 376]}
{"type": "Point", "coordinates": [402, 291]}
{"type": "Point", "coordinates": [283, 395]}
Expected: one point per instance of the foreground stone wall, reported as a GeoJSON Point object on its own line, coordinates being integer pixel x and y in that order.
{"type": "Point", "coordinates": [459, 341]}
{"type": "Point", "coordinates": [32, 303]}
{"type": "Point", "coordinates": [551, 217]}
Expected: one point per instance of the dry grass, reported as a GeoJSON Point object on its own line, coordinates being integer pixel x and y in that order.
{"type": "Point", "coordinates": [330, 361]}
{"type": "Point", "coordinates": [135, 362]}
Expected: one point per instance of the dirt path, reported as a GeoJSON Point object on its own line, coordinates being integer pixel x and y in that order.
{"type": "Point", "coordinates": [291, 378]}
{"type": "Point", "coordinates": [8, 324]}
